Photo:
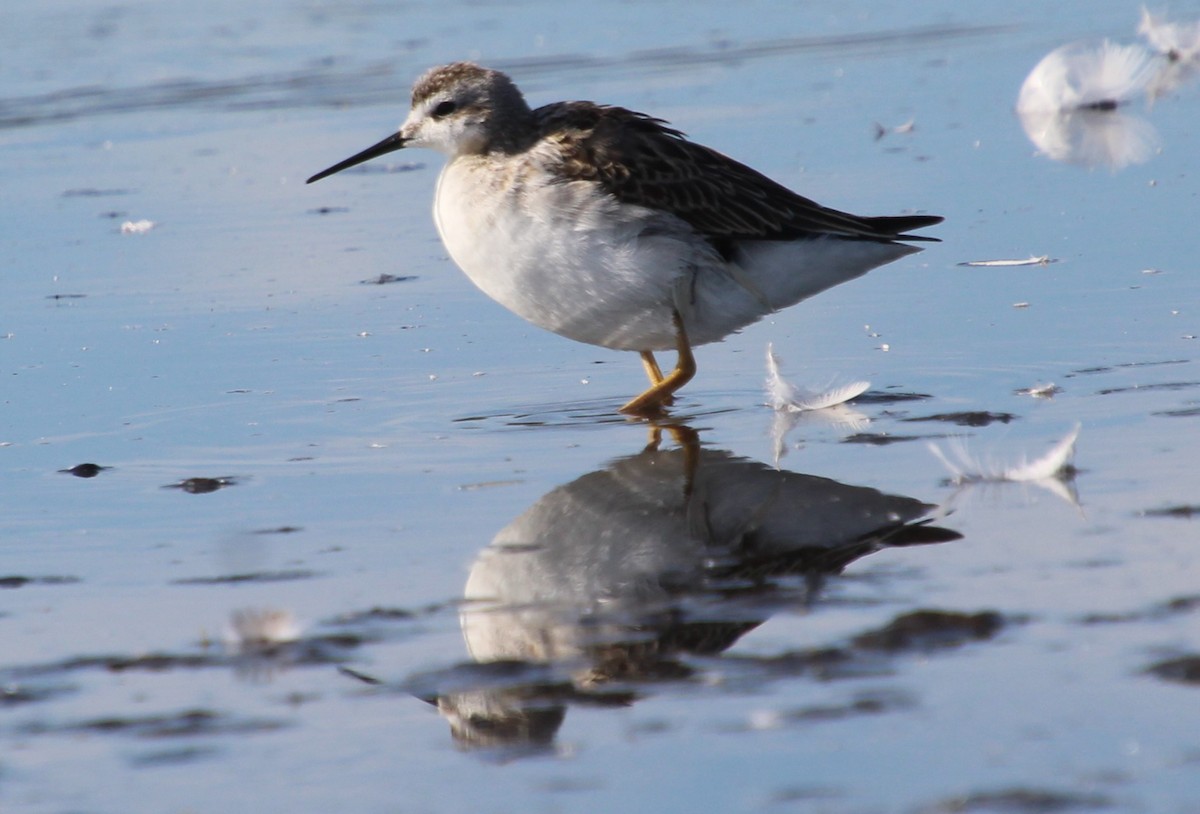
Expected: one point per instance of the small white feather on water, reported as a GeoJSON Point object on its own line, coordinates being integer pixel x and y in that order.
{"type": "Point", "coordinates": [136, 227]}
{"type": "Point", "coordinates": [1177, 41]}
{"type": "Point", "coordinates": [1054, 464]}
{"type": "Point", "coordinates": [1083, 75]}
{"type": "Point", "coordinates": [1179, 44]}
{"type": "Point", "coordinates": [1032, 260]}
{"type": "Point", "coordinates": [259, 628]}
{"type": "Point", "coordinates": [1069, 104]}
{"type": "Point", "coordinates": [784, 396]}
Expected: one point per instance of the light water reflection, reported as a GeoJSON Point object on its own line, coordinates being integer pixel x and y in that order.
{"type": "Point", "coordinates": [622, 575]}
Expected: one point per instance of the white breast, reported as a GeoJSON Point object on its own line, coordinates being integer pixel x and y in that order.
{"type": "Point", "coordinates": [561, 255]}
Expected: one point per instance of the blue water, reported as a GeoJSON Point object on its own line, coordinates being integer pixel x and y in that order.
{"type": "Point", "coordinates": [375, 438]}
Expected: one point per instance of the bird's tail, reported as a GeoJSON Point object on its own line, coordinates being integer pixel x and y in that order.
{"type": "Point", "coordinates": [898, 226]}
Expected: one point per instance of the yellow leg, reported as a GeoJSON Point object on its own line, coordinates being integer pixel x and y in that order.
{"type": "Point", "coordinates": [653, 371]}
{"type": "Point", "coordinates": [660, 394]}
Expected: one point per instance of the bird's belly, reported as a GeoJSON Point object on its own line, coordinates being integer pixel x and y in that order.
{"type": "Point", "coordinates": [581, 272]}
{"type": "Point", "coordinates": [610, 274]}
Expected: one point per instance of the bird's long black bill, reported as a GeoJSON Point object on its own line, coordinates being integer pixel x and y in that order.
{"type": "Point", "coordinates": [389, 145]}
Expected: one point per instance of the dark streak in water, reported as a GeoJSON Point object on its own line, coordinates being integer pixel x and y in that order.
{"type": "Point", "coordinates": [1019, 801]}
{"type": "Point", "coordinates": [880, 397]}
{"type": "Point", "coordinates": [173, 757]}
{"type": "Point", "coordinates": [924, 630]}
{"type": "Point", "coordinates": [971, 418]}
{"type": "Point", "coordinates": [1182, 412]}
{"type": "Point", "coordinates": [384, 279]}
{"type": "Point", "coordinates": [880, 439]}
{"type": "Point", "coordinates": [1138, 388]}
{"type": "Point", "coordinates": [189, 723]}
{"type": "Point", "coordinates": [1187, 511]}
{"type": "Point", "coordinates": [21, 582]}
{"type": "Point", "coordinates": [383, 82]}
{"type": "Point", "coordinates": [255, 577]}
{"type": "Point", "coordinates": [1088, 371]}
{"type": "Point", "coordinates": [1183, 670]}
{"type": "Point", "coordinates": [1172, 607]}
{"type": "Point", "coordinates": [91, 192]}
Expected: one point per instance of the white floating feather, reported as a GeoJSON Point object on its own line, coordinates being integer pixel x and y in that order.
{"type": "Point", "coordinates": [137, 227]}
{"type": "Point", "coordinates": [1032, 260]}
{"type": "Point", "coordinates": [785, 396]}
{"type": "Point", "coordinates": [1177, 41]}
{"type": "Point", "coordinates": [1083, 75]}
{"type": "Point", "coordinates": [1055, 463]}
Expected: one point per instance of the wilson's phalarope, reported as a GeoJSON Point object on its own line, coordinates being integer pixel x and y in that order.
{"type": "Point", "coordinates": [609, 227]}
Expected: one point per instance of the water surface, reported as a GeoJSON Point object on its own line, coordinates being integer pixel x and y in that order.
{"type": "Point", "coordinates": [310, 421]}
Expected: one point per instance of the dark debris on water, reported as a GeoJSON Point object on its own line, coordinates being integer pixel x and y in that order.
{"type": "Point", "coordinates": [1164, 610]}
{"type": "Point", "coordinates": [968, 418]}
{"type": "Point", "coordinates": [189, 723]}
{"type": "Point", "coordinates": [924, 630]}
{"type": "Point", "coordinates": [203, 486]}
{"type": "Point", "coordinates": [1182, 670]}
{"type": "Point", "coordinates": [250, 577]}
{"type": "Point", "coordinates": [879, 439]}
{"type": "Point", "coordinates": [1183, 510]}
{"type": "Point", "coordinates": [16, 581]}
{"type": "Point", "coordinates": [1018, 801]}
{"type": "Point", "coordinates": [384, 279]}
{"type": "Point", "coordinates": [85, 470]}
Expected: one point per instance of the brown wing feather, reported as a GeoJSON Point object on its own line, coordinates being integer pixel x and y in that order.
{"type": "Point", "coordinates": [641, 160]}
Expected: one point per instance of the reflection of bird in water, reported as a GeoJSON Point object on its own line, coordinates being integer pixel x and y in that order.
{"type": "Point", "coordinates": [615, 575]}
{"type": "Point", "coordinates": [609, 227]}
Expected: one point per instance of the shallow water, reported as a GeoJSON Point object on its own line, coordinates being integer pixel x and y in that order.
{"type": "Point", "coordinates": [367, 468]}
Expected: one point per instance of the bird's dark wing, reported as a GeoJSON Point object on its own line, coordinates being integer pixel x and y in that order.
{"type": "Point", "coordinates": [640, 160]}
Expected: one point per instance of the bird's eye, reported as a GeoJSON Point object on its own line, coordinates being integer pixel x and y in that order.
{"type": "Point", "coordinates": [444, 109]}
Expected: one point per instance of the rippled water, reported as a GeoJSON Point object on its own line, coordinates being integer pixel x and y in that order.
{"type": "Point", "coordinates": [293, 518]}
